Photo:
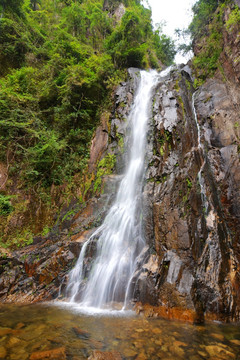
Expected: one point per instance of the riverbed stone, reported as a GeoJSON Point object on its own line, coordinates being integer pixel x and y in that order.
{"type": "Point", "coordinates": [221, 351]}
{"type": "Point", "coordinates": [105, 355]}
{"type": "Point", "coordinates": [5, 331]}
{"type": "Point", "coordinates": [54, 354]}
{"type": "Point", "coordinates": [235, 342]}
{"type": "Point", "coordinates": [3, 352]}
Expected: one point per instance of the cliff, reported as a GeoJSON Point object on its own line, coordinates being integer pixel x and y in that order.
{"type": "Point", "coordinates": [192, 194]}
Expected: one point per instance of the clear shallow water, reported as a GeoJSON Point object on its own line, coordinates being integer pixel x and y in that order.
{"type": "Point", "coordinates": [28, 329]}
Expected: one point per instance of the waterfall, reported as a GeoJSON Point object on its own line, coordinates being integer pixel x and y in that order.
{"type": "Point", "coordinates": [119, 239]}
{"type": "Point", "coordinates": [202, 152]}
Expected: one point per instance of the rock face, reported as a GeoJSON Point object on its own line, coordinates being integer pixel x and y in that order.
{"type": "Point", "coordinates": [192, 201]}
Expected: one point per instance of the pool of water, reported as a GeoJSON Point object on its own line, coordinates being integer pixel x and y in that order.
{"type": "Point", "coordinates": [26, 332]}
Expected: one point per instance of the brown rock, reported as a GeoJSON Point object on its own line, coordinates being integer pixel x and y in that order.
{"type": "Point", "coordinates": [55, 354]}
{"type": "Point", "coordinates": [81, 333]}
{"type": "Point", "coordinates": [3, 176]}
{"type": "Point", "coordinates": [13, 341]}
{"type": "Point", "coordinates": [5, 331]}
{"type": "Point", "coordinates": [235, 342]}
{"type": "Point", "coordinates": [220, 351]}
{"type": "Point", "coordinates": [20, 326]}
{"type": "Point", "coordinates": [3, 352]}
{"type": "Point", "coordinates": [108, 355]}
{"type": "Point", "coordinates": [218, 336]}
{"type": "Point", "coordinates": [99, 142]}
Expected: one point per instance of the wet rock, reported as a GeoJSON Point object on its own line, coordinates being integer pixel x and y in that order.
{"type": "Point", "coordinates": [81, 334]}
{"type": "Point", "coordinates": [3, 352]}
{"type": "Point", "coordinates": [13, 341]}
{"type": "Point", "coordinates": [107, 355]}
{"type": "Point", "coordinates": [219, 337]}
{"type": "Point", "coordinates": [235, 342]}
{"type": "Point", "coordinates": [5, 331]}
{"type": "Point", "coordinates": [55, 354]}
{"type": "Point", "coordinates": [130, 353]}
{"type": "Point", "coordinates": [141, 356]}
{"type": "Point", "coordinates": [99, 142]}
{"type": "Point", "coordinates": [177, 351]}
{"type": "Point", "coordinates": [220, 351]}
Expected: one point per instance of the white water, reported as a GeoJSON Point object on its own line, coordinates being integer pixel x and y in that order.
{"type": "Point", "coordinates": [201, 149]}
{"type": "Point", "coordinates": [119, 238]}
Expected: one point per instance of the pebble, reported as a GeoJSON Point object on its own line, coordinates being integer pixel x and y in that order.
{"type": "Point", "coordinates": [139, 330]}
{"type": "Point", "coordinates": [20, 326]}
{"type": "Point", "coordinates": [19, 356]}
{"type": "Point", "coordinates": [221, 351]}
{"type": "Point", "coordinates": [13, 341]}
{"type": "Point", "coordinates": [3, 352]}
{"type": "Point", "coordinates": [218, 337]}
{"type": "Point", "coordinates": [141, 356]}
{"type": "Point", "coordinates": [55, 354]}
{"type": "Point", "coordinates": [235, 342]}
{"type": "Point", "coordinates": [108, 355]}
{"type": "Point", "coordinates": [5, 331]}
{"type": "Point", "coordinates": [130, 353]}
{"type": "Point", "coordinates": [138, 344]}
{"type": "Point", "coordinates": [176, 350]}
{"type": "Point", "coordinates": [203, 354]}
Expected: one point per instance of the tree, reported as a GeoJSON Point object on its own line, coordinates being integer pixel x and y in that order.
{"type": "Point", "coordinates": [12, 5]}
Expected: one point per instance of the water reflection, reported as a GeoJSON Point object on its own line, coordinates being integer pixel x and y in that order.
{"type": "Point", "coordinates": [27, 331]}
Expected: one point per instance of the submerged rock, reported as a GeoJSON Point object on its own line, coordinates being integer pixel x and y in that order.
{"type": "Point", "coordinates": [105, 355]}
{"type": "Point", "coordinates": [55, 354]}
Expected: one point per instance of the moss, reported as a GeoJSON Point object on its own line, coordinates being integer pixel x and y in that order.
{"type": "Point", "coordinates": [208, 99]}
{"type": "Point", "coordinates": [189, 183]}
{"type": "Point", "coordinates": [180, 100]}
{"type": "Point", "coordinates": [233, 20]}
{"type": "Point", "coordinates": [189, 85]}
{"type": "Point", "coordinates": [176, 86]}
{"type": "Point", "coordinates": [120, 141]}
{"type": "Point", "coordinates": [161, 150]}
{"type": "Point", "coordinates": [19, 240]}
{"type": "Point", "coordinates": [122, 104]}
{"type": "Point", "coordinates": [5, 205]}
{"type": "Point", "coordinates": [236, 125]}
{"type": "Point", "coordinates": [209, 38]}
{"type": "Point", "coordinates": [105, 167]}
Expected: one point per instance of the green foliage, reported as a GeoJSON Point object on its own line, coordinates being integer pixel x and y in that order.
{"type": "Point", "coordinates": [58, 77]}
{"type": "Point", "coordinates": [203, 11]}
{"type": "Point", "coordinates": [105, 167]}
{"type": "Point", "coordinates": [133, 42]}
{"type": "Point", "coordinates": [206, 29]}
{"type": "Point", "coordinates": [60, 62]}
{"type": "Point", "coordinates": [11, 5]}
{"type": "Point", "coordinates": [19, 240]}
{"type": "Point", "coordinates": [165, 47]}
{"type": "Point", "coordinates": [189, 183]}
{"type": "Point", "coordinates": [5, 205]}
{"type": "Point", "coordinates": [234, 19]}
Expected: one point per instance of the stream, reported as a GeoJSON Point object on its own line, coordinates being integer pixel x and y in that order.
{"type": "Point", "coordinates": [30, 331]}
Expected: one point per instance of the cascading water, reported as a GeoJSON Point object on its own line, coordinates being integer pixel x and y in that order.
{"type": "Point", "coordinates": [119, 238]}
{"type": "Point", "coordinates": [201, 149]}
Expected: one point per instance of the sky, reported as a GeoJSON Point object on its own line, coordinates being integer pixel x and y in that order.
{"type": "Point", "coordinates": [177, 15]}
